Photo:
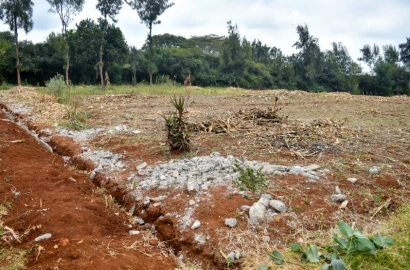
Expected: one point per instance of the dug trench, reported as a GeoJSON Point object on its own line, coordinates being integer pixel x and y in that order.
{"type": "Point", "coordinates": [59, 198]}
{"type": "Point", "coordinates": [44, 195]}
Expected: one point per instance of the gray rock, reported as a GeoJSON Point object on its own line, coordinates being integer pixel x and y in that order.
{"type": "Point", "coordinates": [337, 190]}
{"type": "Point", "coordinates": [257, 212]}
{"type": "Point", "coordinates": [245, 208]}
{"type": "Point", "coordinates": [139, 221]}
{"type": "Point", "coordinates": [231, 222]}
{"type": "Point", "coordinates": [231, 256]}
{"type": "Point", "coordinates": [265, 239]}
{"type": "Point", "coordinates": [312, 167]}
{"type": "Point", "coordinates": [196, 225]}
{"type": "Point", "coordinates": [264, 201]}
{"type": "Point", "coordinates": [43, 237]}
{"type": "Point", "coordinates": [338, 198]}
{"type": "Point", "coordinates": [142, 166]}
{"type": "Point", "coordinates": [352, 180]}
{"type": "Point", "coordinates": [192, 187]}
{"type": "Point", "coordinates": [278, 206]}
{"type": "Point", "coordinates": [374, 170]}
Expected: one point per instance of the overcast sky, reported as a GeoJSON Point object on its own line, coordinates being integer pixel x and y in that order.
{"type": "Point", "coordinates": [353, 22]}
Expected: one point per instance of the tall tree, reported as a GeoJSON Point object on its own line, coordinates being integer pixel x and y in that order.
{"type": "Point", "coordinates": [405, 52]}
{"type": "Point", "coordinates": [17, 14]}
{"type": "Point", "coordinates": [370, 55]}
{"type": "Point", "coordinates": [149, 11]}
{"type": "Point", "coordinates": [110, 9]}
{"type": "Point", "coordinates": [66, 10]}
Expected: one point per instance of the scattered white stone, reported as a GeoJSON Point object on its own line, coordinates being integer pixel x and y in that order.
{"type": "Point", "coordinates": [352, 180]}
{"type": "Point", "coordinates": [265, 239]}
{"type": "Point", "coordinates": [196, 225]}
{"type": "Point", "coordinates": [192, 187]}
{"type": "Point", "coordinates": [43, 237]}
{"type": "Point", "coordinates": [136, 132]}
{"type": "Point", "coordinates": [139, 221]}
{"type": "Point", "coordinates": [142, 166]}
{"type": "Point", "coordinates": [337, 190]}
{"type": "Point", "coordinates": [192, 202]}
{"type": "Point", "coordinates": [257, 212]}
{"type": "Point", "coordinates": [312, 167]}
{"type": "Point", "coordinates": [231, 222]}
{"type": "Point", "coordinates": [134, 232]}
{"type": "Point", "coordinates": [245, 208]}
{"type": "Point", "coordinates": [278, 206]}
{"type": "Point", "coordinates": [374, 170]}
{"type": "Point", "coordinates": [338, 198]}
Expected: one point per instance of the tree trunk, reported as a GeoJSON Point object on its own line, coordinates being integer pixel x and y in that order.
{"type": "Point", "coordinates": [17, 54]}
{"type": "Point", "coordinates": [150, 53]}
{"type": "Point", "coordinates": [67, 67]}
{"type": "Point", "coordinates": [100, 67]}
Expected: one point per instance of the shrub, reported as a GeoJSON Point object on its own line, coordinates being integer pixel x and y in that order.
{"type": "Point", "coordinates": [56, 86]}
{"type": "Point", "coordinates": [250, 179]}
{"type": "Point", "coordinates": [177, 131]}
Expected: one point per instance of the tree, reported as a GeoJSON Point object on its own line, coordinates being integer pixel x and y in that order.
{"type": "Point", "coordinates": [107, 8]}
{"type": "Point", "coordinates": [66, 9]}
{"type": "Point", "coordinates": [369, 55]}
{"type": "Point", "coordinates": [405, 52]}
{"type": "Point", "coordinates": [391, 54]}
{"type": "Point", "coordinates": [309, 59]}
{"type": "Point", "coordinates": [149, 11]}
{"type": "Point", "coordinates": [17, 14]}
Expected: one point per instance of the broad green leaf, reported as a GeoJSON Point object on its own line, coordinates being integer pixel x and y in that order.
{"type": "Point", "coordinates": [363, 243]}
{"type": "Point", "coordinates": [325, 266]}
{"type": "Point", "coordinates": [345, 229]}
{"type": "Point", "coordinates": [264, 267]}
{"type": "Point", "coordinates": [382, 241]}
{"type": "Point", "coordinates": [338, 264]}
{"type": "Point", "coordinates": [342, 243]}
{"type": "Point", "coordinates": [296, 247]}
{"type": "Point", "coordinates": [277, 257]}
{"type": "Point", "coordinates": [312, 254]}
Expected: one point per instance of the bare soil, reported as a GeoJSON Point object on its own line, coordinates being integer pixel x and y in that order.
{"type": "Point", "coordinates": [343, 133]}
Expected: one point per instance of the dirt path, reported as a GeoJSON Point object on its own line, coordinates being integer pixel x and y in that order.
{"type": "Point", "coordinates": [43, 195]}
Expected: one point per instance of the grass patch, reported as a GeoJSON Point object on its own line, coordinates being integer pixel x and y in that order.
{"type": "Point", "coordinates": [6, 86]}
{"type": "Point", "coordinates": [159, 89]}
{"type": "Point", "coordinates": [12, 259]}
{"type": "Point", "coordinates": [395, 257]}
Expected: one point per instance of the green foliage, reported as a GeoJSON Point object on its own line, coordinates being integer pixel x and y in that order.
{"type": "Point", "coordinates": [57, 86]}
{"type": "Point", "coordinates": [250, 180]}
{"type": "Point", "coordinates": [177, 131]}
{"type": "Point", "coordinates": [351, 243]}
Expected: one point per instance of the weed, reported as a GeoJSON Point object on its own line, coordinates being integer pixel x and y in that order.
{"type": "Point", "coordinates": [8, 205]}
{"type": "Point", "coordinates": [350, 244]}
{"type": "Point", "coordinates": [177, 131]}
{"type": "Point", "coordinates": [76, 120]}
{"type": "Point", "coordinates": [56, 87]}
{"type": "Point", "coordinates": [8, 179]}
{"type": "Point", "coordinates": [250, 180]}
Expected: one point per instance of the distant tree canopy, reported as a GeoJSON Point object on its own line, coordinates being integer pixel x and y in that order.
{"type": "Point", "coordinates": [211, 60]}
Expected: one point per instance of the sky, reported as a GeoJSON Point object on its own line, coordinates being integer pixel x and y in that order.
{"type": "Point", "coordinates": [352, 22]}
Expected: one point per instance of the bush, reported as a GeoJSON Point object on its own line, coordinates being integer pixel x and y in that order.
{"type": "Point", "coordinates": [177, 131]}
{"type": "Point", "coordinates": [56, 86]}
{"type": "Point", "coordinates": [250, 179]}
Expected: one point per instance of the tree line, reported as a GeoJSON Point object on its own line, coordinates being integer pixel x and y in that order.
{"type": "Point", "coordinates": [96, 51]}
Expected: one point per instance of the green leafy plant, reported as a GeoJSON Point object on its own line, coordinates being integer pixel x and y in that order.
{"type": "Point", "coordinates": [250, 179]}
{"type": "Point", "coordinates": [76, 119]}
{"type": "Point", "coordinates": [177, 131]}
{"type": "Point", "coordinates": [350, 243]}
{"type": "Point", "coordinates": [56, 86]}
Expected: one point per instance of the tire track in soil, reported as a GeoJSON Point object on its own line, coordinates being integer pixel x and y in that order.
{"type": "Point", "coordinates": [85, 234]}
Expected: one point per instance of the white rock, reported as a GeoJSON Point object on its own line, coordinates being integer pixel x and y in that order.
{"type": "Point", "coordinates": [312, 167]}
{"type": "Point", "coordinates": [134, 232]}
{"type": "Point", "coordinates": [257, 212]}
{"type": "Point", "coordinates": [352, 180]}
{"type": "Point", "coordinates": [43, 237]}
{"type": "Point", "coordinates": [231, 222]}
{"type": "Point", "coordinates": [192, 187]}
{"type": "Point", "coordinates": [142, 166]}
{"type": "Point", "coordinates": [196, 225]}
{"type": "Point", "coordinates": [374, 170]}
{"type": "Point", "coordinates": [337, 190]}
{"type": "Point", "coordinates": [278, 206]}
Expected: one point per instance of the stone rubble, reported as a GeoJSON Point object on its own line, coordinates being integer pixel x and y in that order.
{"type": "Point", "coordinates": [199, 173]}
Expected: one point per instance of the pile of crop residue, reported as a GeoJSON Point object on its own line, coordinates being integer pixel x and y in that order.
{"type": "Point", "coordinates": [266, 128]}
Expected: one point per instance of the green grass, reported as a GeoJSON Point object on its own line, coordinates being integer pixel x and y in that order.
{"type": "Point", "coordinates": [6, 86]}
{"type": "Point", "coordinates": [398, 255]}
{"type": "Point", "coordinates": [160, 89]}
